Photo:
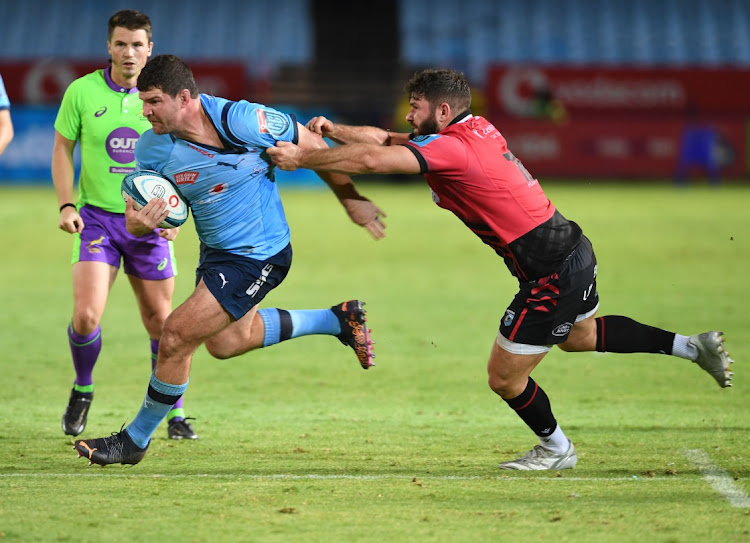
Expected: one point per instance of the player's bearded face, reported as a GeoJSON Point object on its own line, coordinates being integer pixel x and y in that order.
{"type": "Point", "coordinates": [427, 126]}
{"type": "Point", "coordinates": [422, 117]}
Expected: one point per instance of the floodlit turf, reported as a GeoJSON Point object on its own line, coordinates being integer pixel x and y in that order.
{"type": "Point", "coordinates": [298, 443]}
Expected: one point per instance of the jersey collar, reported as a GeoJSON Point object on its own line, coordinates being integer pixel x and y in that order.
{"type": "Point", "coordinates": [114, 86]}
{"type": "Point", "coordinates": [461, 117]}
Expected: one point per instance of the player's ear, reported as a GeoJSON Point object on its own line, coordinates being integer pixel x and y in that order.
{"type": "Point", "coordinates": [184, 96]}
{"type": "Point", "coordinates": [444, 111]}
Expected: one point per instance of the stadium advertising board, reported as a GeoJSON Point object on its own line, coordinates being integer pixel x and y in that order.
{"type": "Point", "coordinates": [44, 81]}
{"type": "Point", "coordinates": [28, 158]}
{"type": "Point", "coordinates": [618, 122]}
{"type": "Point", "coordinates": [625, 147]}
{"type": "Point", "coordinates": [623, 91]}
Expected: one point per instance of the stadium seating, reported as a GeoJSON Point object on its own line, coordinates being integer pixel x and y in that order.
{"type": "Point", "coordinates": [469, 34]}
{"type": "Point", "coordinates": [261, 33]}
{"type": "Point", "coordinates": [465, 35]}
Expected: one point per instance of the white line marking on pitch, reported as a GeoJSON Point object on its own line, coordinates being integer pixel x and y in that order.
{"type": "Point", "coordinates": [331, 477]}
{"type": "Point", "coordinates": [718, 478]}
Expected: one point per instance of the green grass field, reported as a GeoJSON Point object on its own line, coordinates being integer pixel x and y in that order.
{"type": "Point", "coordinates": [297, 443]}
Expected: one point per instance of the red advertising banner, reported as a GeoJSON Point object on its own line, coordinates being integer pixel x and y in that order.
{"type": "Point", "coordinates": [44, 81]}
{"type": "Point", "coordinates": [511, 90]}
{"type": "Point", "coordinates": [599, 148]}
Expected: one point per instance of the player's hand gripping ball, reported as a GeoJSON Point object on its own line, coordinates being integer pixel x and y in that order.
{"type": "Point", "coordinates": [143, 185]}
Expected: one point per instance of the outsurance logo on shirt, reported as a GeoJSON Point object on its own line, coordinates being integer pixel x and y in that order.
{"type": "Point", "coordinates": [121, 145]}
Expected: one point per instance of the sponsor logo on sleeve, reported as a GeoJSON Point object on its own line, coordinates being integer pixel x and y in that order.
{"type": "Point", "coordinates": [508, 318]}
{"type": "Point", "coordinates": [262, 123]}
{"type": "Point", "coordinates": [277, 123]}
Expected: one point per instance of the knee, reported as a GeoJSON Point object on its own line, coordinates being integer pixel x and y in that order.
{"type": "Point", "coordinates": [154, 324]}
{"type": "Point", "coordinates": [85, 321]}
{"type": "Point", "coordinates": [501, 385]}
{"type": "Point", "coordinates": [172, 343]}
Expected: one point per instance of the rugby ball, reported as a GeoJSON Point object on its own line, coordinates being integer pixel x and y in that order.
{"type": "Point", "coordinates": [143, 185]}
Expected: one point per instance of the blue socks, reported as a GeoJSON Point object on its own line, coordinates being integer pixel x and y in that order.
{"type": "Point", "coordinates": [158, 402]}
{"type": "Point", "coordinates": [177, 411]}
{"type": "Point", "coordinates": [281, 324]}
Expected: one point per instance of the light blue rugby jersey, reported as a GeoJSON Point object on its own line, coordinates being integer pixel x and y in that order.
{"type": "Point", "coordinates": [231, 192]}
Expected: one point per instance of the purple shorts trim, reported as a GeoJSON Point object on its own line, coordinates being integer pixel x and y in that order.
{"type": "Point", "coordinates": [105, 239]}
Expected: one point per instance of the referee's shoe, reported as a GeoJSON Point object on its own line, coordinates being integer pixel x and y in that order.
{"type": "Point", "coordinates": [77, 412]}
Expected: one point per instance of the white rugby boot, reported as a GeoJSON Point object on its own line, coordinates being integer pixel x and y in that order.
{"type": "Point", "coordinates": [539, 458]}
{"type": "Point", "coordinates": [712, 356]}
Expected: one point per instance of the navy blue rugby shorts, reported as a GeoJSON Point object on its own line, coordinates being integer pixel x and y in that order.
{"type": "Point", "coordinates": [544, 311]}
{"type": "Point", "coordinates": [239, 283]}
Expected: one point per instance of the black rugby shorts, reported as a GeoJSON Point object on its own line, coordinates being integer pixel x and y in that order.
{"type": "Point", "coordinates": [544, 311]}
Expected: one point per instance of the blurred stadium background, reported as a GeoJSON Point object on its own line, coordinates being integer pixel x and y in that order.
{"type": "Point", "coordinates": [584, 89]}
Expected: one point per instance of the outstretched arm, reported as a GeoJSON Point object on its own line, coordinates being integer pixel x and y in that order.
{"type": "Point", "coordinates": [360, 210]}
{"type": "Point", "coordinates": [342, 134]}
{"type": "Point", "coordinates": [354, 158]}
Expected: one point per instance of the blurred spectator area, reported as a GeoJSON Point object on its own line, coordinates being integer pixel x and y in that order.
{"type": "Point", "coordinates": [473, 33]}
{"type": "Point", "coordinates": [261, 33]}
{"type": "Point", "coordinates": [343, 53]}
{"type": "Point", "coordinates": [619, 80]}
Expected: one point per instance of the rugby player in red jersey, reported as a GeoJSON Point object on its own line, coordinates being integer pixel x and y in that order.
{"type": "Point", "coordinates": [473, 174]}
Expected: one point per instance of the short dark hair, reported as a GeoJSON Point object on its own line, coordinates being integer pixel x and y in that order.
{"type": "Point", "coordinates": [168, 73]}
{"type": "Point", "coordinates": [130, 19]}
{"type": "Point", "coordinates": [441, 85]}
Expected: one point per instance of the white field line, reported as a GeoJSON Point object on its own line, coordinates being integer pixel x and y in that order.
{"type": "Point", "coordinates": [330, 477]}
{"type": "Point", "coordinates": [718, 478]}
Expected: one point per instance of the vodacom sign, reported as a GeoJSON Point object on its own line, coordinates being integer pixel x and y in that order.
{"type": "Point", "coordinates": [512, 90]}
{"type": "Point", "coordinates": [517, 89]}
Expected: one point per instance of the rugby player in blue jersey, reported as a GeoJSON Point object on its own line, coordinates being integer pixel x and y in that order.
{"type": "Point", "coordinates": [213, 149]}
{"type": "Point", "coordinates": [101, 113]}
